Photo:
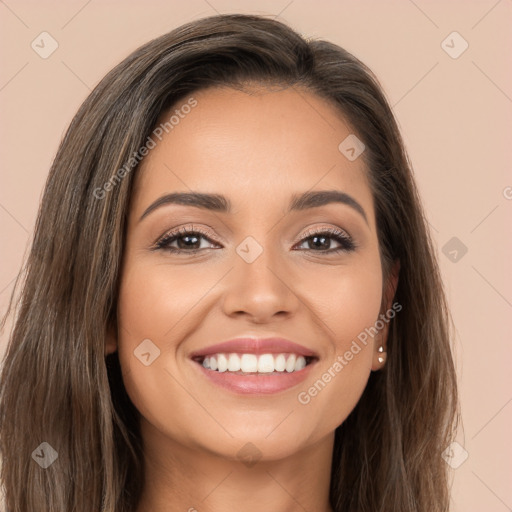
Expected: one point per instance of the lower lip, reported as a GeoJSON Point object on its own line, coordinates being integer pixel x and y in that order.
{"type": "Point", "coordinates": [263, 384]}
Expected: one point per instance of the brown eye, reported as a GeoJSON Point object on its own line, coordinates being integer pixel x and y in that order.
{"type": "Point", "coordinates": [184, 240]}
{"type": "Point", "coordinates": [321, 240]}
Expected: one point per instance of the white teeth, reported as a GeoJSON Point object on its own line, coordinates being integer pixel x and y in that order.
{"type": "Point", "coordinates": [280, 363]}
{"type": "Point", "coordinates": [266, 363]}
{"type": "Point", "coordinates": [234, 363]}
{"type": "Point", "coordinates": [248, 363]}
{"type": "Point", "coordinates": [300, 363]}
{"type": "Point", "coordinates": [222, 363]}
{"type": "Point", "coordinates": [252, 363]}
{"type": "Point", "coordinates": [290, 364]}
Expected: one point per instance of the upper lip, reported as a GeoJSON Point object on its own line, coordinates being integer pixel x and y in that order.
{"type": "Point", "coordinates": [255, 346]}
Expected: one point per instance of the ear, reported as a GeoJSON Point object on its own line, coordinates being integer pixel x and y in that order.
{"type": "Point", "coordinates": [380, 340]}
{"type": "Point", "coordinates": [111, 339]}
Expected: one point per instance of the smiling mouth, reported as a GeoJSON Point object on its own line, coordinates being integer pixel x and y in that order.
{"type": "Point", "coordinates": [255, 364]}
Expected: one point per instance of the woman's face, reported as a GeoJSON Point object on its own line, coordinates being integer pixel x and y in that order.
{"type": "Point", "coordinates": [254, 270]}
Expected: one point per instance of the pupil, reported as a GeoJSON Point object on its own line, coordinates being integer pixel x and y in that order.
{"type": "Point", "coordinates": [188, 237]}
{"type": "Point", "coordinates": [322, 245]}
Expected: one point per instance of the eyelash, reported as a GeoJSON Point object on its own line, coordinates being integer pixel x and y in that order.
{"type": "Point", "coordinates": [340, 236]}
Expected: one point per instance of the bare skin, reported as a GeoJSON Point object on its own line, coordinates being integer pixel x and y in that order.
{"type": "Point", "coordinates": [257, 148]}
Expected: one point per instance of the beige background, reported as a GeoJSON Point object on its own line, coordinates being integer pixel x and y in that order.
{"type": "Point", "coordinates": [455, 114]}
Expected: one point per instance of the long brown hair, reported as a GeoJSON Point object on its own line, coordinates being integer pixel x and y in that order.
{"type": "Point", "coordinates": [58, 387]}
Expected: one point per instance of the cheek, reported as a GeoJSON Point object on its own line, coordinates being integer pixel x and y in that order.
{"type": "Point", "coordinates": [149, 311]}
{"type": "Point", "coordinates": [149, 293]}
{"type": "Point", "coordinates": [153, 298]}
{"type": "Point", "coordinates": [159, 306]}
{"type": "Point", "coordinates": [349, 307]}
{"type": "Point", "coordinates": [347, 299]}
{"type": "Point", "coordinates": [358, 304]}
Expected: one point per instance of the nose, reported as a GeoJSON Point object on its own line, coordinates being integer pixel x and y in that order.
{"type": "Point", "coordinates": [262, 290]}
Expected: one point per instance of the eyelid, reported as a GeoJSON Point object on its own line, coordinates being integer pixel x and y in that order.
{"type": "Point", "coordinates": [323, 229]}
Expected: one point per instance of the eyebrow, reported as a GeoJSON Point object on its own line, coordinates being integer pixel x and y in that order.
{"type": "Point", "coordinates": [219, 203]}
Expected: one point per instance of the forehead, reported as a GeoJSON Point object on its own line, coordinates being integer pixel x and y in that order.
{"type": "Point", "coordinates": [253, 146]}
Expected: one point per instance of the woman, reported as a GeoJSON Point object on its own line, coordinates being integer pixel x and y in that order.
{"type": "Point", "coordinates": [232, 300]}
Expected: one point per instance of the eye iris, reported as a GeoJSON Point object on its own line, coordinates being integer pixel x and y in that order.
{"type": "Point", "coordinates": [186, 245]}
{"type": "Point", "coordinates": [322, 245]}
